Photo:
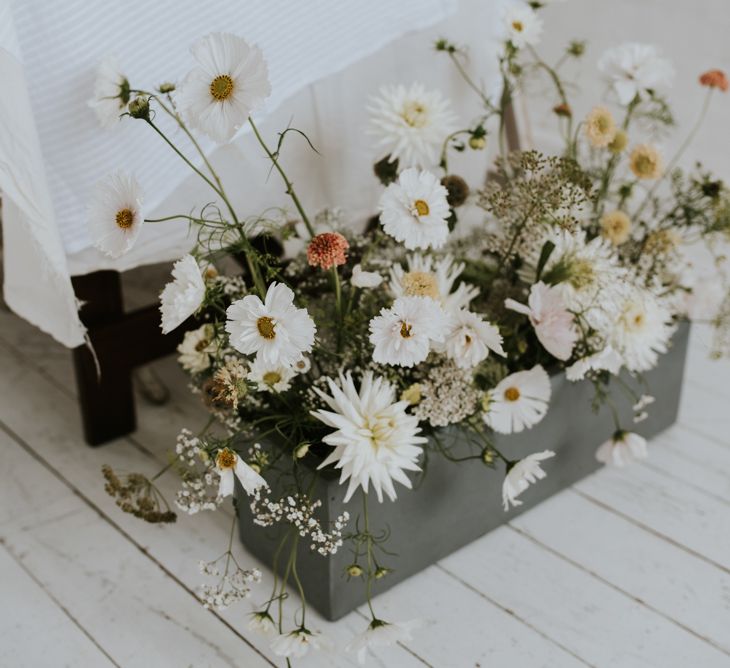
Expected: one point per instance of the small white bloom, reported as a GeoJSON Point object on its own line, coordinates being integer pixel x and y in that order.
{"type": "Point", "coordinates": [376, 439]}
{"type": "Point", "coordinates": [469, 338]}
{"type": "Point", "coordinates": [604, 360]}
{"type": "Point", "coordinates": [262, 623]}
{"type": "Point", "coordinates": [520, 475]}
{"type": "Point", "coordinates": [403, 334]}
{"type": "Point", "coordinates": [271, 377]}
{"type": "Point", "coordinates": [519, 401]}
{"type": "Point", "coordinates": [411, 124]}
{"type": "Point", "coordinates": [413, 210]}
{"type": "Point", "coordinates": [632, 69]}
{"type": "Point", "coordinates": [196, 348]}
{"type": "Point", "coordinates": [183, 295]}
{"type": "Point", "coordinates": [111, 93]}
{"type": "Point", "coordinates": [365, 279]}
{"type": "Point", "coordinates": [622, 448]}
{"type": "Point", "coordinates": [230, 81]}
{"type": "Point", "coordinates": [296, 644]}
{"type": "Point", "coordinates": [381, 634]}
{"type": "Point", "coordinates": [275, 329]}
{"type": "Point", "coordinates": [115, 214]}
{"type": "Point", "coordinates": [520, 25]}
{"type": "Point", "coordinates": [228, 464]}
{"type": "Point", "coordinates": [302, 365]}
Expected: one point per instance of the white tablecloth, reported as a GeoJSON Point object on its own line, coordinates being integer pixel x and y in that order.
{"type": "Point", "coordinates": [51, 151]}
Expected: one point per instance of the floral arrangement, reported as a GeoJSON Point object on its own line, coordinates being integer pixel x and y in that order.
{"type": "Point", "coordinates": [452, 306]}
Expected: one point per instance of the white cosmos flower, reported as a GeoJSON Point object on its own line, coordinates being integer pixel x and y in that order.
{"type": "Point", "coordinates": [606, 359]}
{"type": "Point", "coordinates": [365, 279]}
{"type": "Point", "coordinates": [430, 277]}
{"type": "Point", "coordinates": [196, 348]}
{"type": "Point", "coordinates": [228, 464]}
{"type": "Point", "coordinates": [520, 24]}
{"type": "Point", "coordinates": [411, 123]}
{"type": "Point", "coordinates": [403, 334]}
{"type": "Point", "coordinates": [521, 475]}
{"type": "Point", "coordinates": [271, 377]}
{"type": "Point", "coordinates": [230, 81]}
{"type": "Point", "coordinates": [632, 69]}
{"type": "Point", "coordinates": [519, 401]}
{"type": "Point", "coordinates": [642, 330]}
{"type": "Point", "coordinates": [275, 329]}
{"type": "Point", "coordinates": [376, 439]}
{"type": "Point", "coordinates": [111, 93]}
{"type": "Point", "coordinates": [469, 338]}
{"type": "Point", "coordinates": [381, 634]}
{"type": "Point", "coordinates": [553, 323]}
{"type": "Point", "coordinates": [302, 365]}
{"type": "Point", "coordinates": [296, 644]}
{"type": "Point", "coordinates": [183, 295]}
{"type": "Point", "coordinates": [414, 210]}
{"type": "Point", "coordinates": [261, 623]}
{"type": "Point", "coordinates": [115, 214]}
{"type": "Point", "coordinates": [622, 448]}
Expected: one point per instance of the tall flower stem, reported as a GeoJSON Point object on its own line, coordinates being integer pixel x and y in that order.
{"type": "Point", "coordinates": [369, 551]}
{"type": "Point", "coordinates": [338, 305]}
{"type": "Point", "coordinates": [289, 186]}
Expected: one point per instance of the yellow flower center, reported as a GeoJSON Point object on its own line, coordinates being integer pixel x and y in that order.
{"type": "Point", "coordinates": [415, 114]}
{"type": "Point", "coordinates": [125, 218]}
{"type": "Point", "coordinates": [221, 87]}
{"type": "Point", "coordinates": [266, 327]}
{"type": "Point", "coordinates": [406, 330]}
{"type": "Point", "coordinates": [201, 345]}
{"type": "Point", "coordinates": [271, 378]}
{"type": "Point", "coordinates": [582, 274]}
{"type": "Point", "coordinates": [420, 284]}
{"type": "Point", "coordinates": [634, 318]}
{"type": "Point", "coordinates": [518, 26]}
{"type": "Point", "coordinates": [511, 394]}
{"type": "Point", "coordinates": [421, 207]}
{"type": "Point", "coordinates": [226, 459]}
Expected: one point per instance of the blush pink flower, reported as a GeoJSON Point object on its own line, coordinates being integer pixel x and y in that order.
{"type": "Point", "coordinates": [327, 250]}
{"type": "Point", "coordinates": [551, 319]}
{"type": "Point", "coordinates": [715, 79]}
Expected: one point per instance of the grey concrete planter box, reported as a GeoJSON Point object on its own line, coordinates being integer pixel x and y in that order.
{"type": "Point", "coordinates": [455, 503]}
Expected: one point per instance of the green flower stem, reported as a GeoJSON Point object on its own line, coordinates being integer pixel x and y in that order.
{"type": "Point", "coordinates": [470, 82]}
{"type": "Point", "coordinates": [175, 217]}
{"type": "Point", "coordinates": [369, 540]}
{"type": "Point", "coordinates": [282, 589]}
{"type": "Point", "coordinates": [338, 304]}
{"type": "Point", "coordinates": [289, 187]}
{"type": "Point", "coordinates": [295, 575]}
{"type": "Point", "coordinates": [275, 567]}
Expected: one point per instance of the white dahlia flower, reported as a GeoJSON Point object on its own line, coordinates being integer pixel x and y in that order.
{"type": "Point", "coordinates": [182, 296]}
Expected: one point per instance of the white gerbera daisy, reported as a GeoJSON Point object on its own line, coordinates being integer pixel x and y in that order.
{"type": "Point", "coordinates": [228, 464]}
{"type": "Point", "coordinates": [520, 25]}
{"type": "Point", "coordinates": [231, 80]}
{"type": "Point", "coordinates": [111, 93]}
{"type": "Point", "coordinates": [365, 279]}
{"type": "Point", "coordinates": [632, 69]}
{"type": "Point", "coordinates": [642, 330]}
{"type": "Point", "coordinates": [622, 448]}
{"type": "Point", "coordinates": [271, 377]}
{"type": "Point", "coordinates": [469, 338]}
{"type": "Point", "coordinates": [402, 335]}
{"type": "Point", "coordinates": [429, 277]}
{"type": "Point", "coordinates": [115, 214]}
{"type": "Point", "coordinates": [411, 124]}
{"type": "Point", "coordinates": [381, 634]}
{"type": "Point", "coordinates": [196, 348]}
{"type": "Point", "coordinates": [520, 475]}
{"type": "Point", "coordinates": [183, 295]}
{"type": "Point", "coordinates": [376, 439]}
{"type": "Point", "coordinates": [606, 359]}
{"type": "Point", "coordinates": [275, 329]}
{"type": "Point", "coordinates": [519, 401]}
{"type": "Point", "coordinates": [414, 210]}
{"type": "Point", "coordinates": [296, 644]}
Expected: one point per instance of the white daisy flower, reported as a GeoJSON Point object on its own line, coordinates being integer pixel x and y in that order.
{"type": "Point", "coordinates": [115, 214]}
{"type": "Point", "coordinates": [632, 69]}
{"type": "Point", "coordinates": [271, 377]}
{"type": "Point", "coordinates": [403, 334]}
{"type": "Point", "coordinates": [519, 401]}
{"type": "Point", "coordinates": [302, 365]}
{"type": "Point", "coordinates": [196, 348]}
{"type": "Point", "coordinates": [411, 124]}
{"type": "Point", "coordinates": [228, 464]}
{"type": "Point", "coordinates": [111, 93]}
{"type": "Point", "coordinates": [365, 279]}
{"type": "Point", "coordinates": [414, 210]}
{"type": "Point", "coordinates": [296, 644]}
{"type": "Point", "coordinates": [520, 25]}
{"type": "Point", "coordinates": [604, 360]}
{"type": "Point", "coordinates": [183, 295]}
{"type": "Point", "coordinates": [642, 330]}
{"type": "Point", "coordinates": [469, 338]}
{"type": "Point", "coordinates": [231, 80]}
{"type": "Point", "coordinates": [435, 278]}
{"type": "Point", "coordinates": [520, 475]}
{"type": "Point", "coordinates": [381, 634]}
{"type": "Point", "coordinates": [261, 623]}
{"type": "Point", "coordinates": [275, 329]}
{"type": "Point", "coordinates": [622, 448]}
{"type": "Point", "coordinates": [376, 439]}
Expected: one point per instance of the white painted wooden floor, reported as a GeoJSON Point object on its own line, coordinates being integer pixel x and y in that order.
{"type": "Point", "coordinates": [628, 568]}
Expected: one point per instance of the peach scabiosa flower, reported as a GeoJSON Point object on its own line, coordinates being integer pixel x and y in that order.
{"type": "Point", "coordinates": [646, 162]}
{"type": "Point", "coordinates": [327, 250]}
{"type": "Point", "coordinates": [715, 79]}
